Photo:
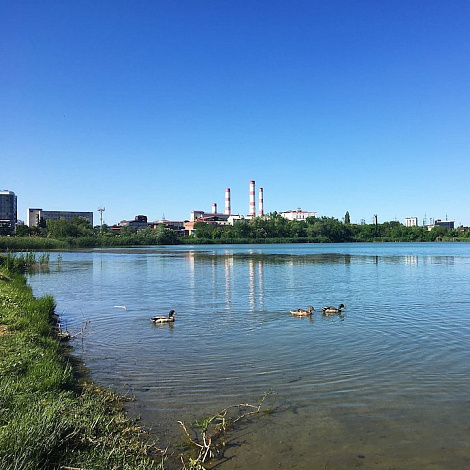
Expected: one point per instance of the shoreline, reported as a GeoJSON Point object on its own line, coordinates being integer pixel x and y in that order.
{"type": "Point", "coordinates": [36, 243]}
{"type": "Point", "coordinates": [52, 415]}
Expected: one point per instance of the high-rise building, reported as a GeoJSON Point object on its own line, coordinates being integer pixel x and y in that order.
{"type": "Point", "coordinates": [8, 212]}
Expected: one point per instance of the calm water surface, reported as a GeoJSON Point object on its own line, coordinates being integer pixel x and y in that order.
{"type": "Point", "coordinates": [386, 385]}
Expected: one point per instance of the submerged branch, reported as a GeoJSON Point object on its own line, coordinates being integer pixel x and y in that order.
{"type": "Point", "coordinates": [213, 429]}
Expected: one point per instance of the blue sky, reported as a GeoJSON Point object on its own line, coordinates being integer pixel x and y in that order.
{"type": "Point", "coordinates": [155, 107]}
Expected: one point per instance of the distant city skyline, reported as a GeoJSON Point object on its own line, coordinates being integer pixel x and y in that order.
{"type": "Point", "coordinates": [155, 108]}
{"type": "Point", "coordinates": [98, 219]}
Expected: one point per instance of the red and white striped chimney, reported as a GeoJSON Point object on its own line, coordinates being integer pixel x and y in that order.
{"type": "Point", "coordinates": [252, 199]}
{"type": "Point", "coordinates": [227, 201]}
{"type": "Point", "coordinates": [260, 202]}
{"type": "Point", "coordinates": [214, 208]}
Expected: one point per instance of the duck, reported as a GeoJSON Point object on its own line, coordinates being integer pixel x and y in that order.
{"type": "Point", "coordinates": [330, 310]}
{"type": "Point", "coordinates": [300, 312]}
{"type": "Point", "coordinates": [164, 319]}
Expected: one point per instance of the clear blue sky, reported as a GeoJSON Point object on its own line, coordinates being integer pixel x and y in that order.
{"type": "Point", "coordinates": [155, 107]}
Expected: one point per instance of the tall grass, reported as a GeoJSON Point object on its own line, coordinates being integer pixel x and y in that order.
{"type": "Point", "coordinates": [31, 243]}
{"type": "Point", "coordinates": [23, 260]}
{"type": "Point", "coordinates": [48, 420]}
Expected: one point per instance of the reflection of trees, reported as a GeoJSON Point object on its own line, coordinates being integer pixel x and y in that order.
{"type": "Point", "coordinates": [294, 259]}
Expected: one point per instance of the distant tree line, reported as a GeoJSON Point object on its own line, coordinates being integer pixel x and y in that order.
{"type": "Point", "coordinates": [321, 230]}
{"type": "Point", "coordinates": [79, 232]}
{"type": "Point", "coordinates": [268, 229]}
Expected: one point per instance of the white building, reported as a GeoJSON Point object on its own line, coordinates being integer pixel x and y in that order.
{"type": "Point", "coordinates": [298, 214]}
{"type": "Point", "coordinates": [411, 222]}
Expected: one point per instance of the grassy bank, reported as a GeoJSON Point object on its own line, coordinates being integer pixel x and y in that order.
{"type": "Point", "coordinates": [47, 420]}
{"type": "Point", "coordinates": [41, 244]}
{"type": "Point", "coordinates": [31, 243]}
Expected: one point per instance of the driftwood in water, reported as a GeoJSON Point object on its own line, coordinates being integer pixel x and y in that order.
{"type": "Point", "coordinates": [210, 442]}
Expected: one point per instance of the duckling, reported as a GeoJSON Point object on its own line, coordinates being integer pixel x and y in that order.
{"type": "Point", "coordinates": [163, 319]}
{"type": "Point", "coordinates": [330, 310]}
{"type": "Point", "coordinates": [300, 312]}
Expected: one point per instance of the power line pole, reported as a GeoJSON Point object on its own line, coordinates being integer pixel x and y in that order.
{"type": "Point", "coordinates": [101, 210]}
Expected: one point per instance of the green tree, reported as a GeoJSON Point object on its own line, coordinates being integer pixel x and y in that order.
{"type": "Point", "coordinates": [61, 228]}
{"type": "Point", "coordinates": [437, 233]}
{"type": "Point", "coordinates": [22, 231]}
{"type": "Point", "coordinates": [241, 229]}
{"type": "Point", "coordinates": [277, 226]}
{"type": "Point", "coordinates": [203, 230]}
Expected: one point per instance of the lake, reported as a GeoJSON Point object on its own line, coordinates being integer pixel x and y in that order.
{"type": "Point", "coordinates": [384, 385]}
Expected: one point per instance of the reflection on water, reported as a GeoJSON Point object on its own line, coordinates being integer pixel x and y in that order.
{"type": "Point", "coordinates": [228, 294]}
{"type": "Point", "coordinates": [387, 380]}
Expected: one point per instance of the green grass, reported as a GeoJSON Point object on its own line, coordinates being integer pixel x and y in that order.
{"type": "Point", "coordinates": [31, 243]}
{"type": "Point", "coordinates": [48, 420]}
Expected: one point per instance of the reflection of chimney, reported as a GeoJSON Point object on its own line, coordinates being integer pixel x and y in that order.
{"type": "Point", "coordinates": [214, 208]}
{"type": "Point", "coordinates": [227, 201]}
{"type": "Point", "coordinates": [260, 202]}
{"type": "Point", "coordinates": [252, 199]}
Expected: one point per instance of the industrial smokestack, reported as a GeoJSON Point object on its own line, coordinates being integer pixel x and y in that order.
{"type": "Point", "coordinates": [214, 208]}
{"type": "Point", "coordinates": [260, 202]}
{"type": "Point", "coordinates": [227, 201]}
{"type": "Point", "coordinates": [252, 199]}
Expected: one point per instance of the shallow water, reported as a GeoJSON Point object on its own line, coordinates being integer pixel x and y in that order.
{"type": "Point", "coordinates": [386, 385]}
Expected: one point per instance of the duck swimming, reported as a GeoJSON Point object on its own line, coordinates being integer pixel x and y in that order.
{"type": "Point", "coordinates": [163, 319]}
{"type": "Point", "coordinates": [330, 310]}
{"type": "Point", "coordinates": [300, 312]}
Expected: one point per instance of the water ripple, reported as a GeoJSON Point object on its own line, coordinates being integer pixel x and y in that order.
{"type": "Point", "coordinates": [397, 356]}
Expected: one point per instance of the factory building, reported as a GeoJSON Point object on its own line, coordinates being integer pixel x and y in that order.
{"type": "Point", "coordinates": [227, 218]}
{"type": "Point", "coordinates": [8, 212]}
{"type": "Point", "coordinates": [297, 214]}
{"type": "Point", "coordinates": [447, 224]}
{"type": "Point", "coordinates": [213, 218]}
{"type": "Point", "coordinates": [175, 225]}
{"type": "Point", "coordinates": [35, 216]}
{"type": "Point", "coordinates": [139, 222]}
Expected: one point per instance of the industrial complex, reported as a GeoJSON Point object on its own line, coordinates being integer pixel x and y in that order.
{"type": "Point", "coordinates": [37, 217]}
